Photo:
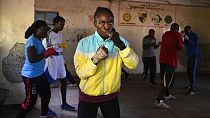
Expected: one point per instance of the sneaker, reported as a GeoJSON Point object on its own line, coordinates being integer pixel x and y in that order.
{"type": "Point", "coordinates": [170, 97]}
{"type": "Point", "coordinates": [161, 104]}
{"type": "Point", "coordinates": [43, 117]}
{"type": "Point", "coordinates": [67, 107]}
{"type": "Point", "coordinates": [191, 93]}
{"type": "Point", "coordinates": [51, 113]}
{"type": "Point", "coordinates": [73, 85]}
{"type": "Point", "coordinates": [187, 87]}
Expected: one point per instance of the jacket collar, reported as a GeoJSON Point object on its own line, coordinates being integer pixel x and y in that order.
{"type": "Point", "coordinates": [99, 38]}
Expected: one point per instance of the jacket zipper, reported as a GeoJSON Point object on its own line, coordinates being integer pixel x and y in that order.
{"type": "Point", "coordinates": [83, 87]}
{"type": "Point", "coordinates": [103, 78]}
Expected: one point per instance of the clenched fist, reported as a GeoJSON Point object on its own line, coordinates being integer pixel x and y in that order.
{"type": "Point", "coordinates": [101, 53]}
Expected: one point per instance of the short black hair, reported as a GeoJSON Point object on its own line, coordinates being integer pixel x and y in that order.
{"type": "Point", "coordinates": [57, 19]}
{"type": "Point", "coordinates": [101, 10]}
{"type": "Point", "coordinates": [151, 30]}
{"type": "Point", "coordinates": [174, 27]}
{"type": "Point", "coordinates": [187, 27]}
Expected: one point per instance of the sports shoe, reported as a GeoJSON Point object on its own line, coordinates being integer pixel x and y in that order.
{"type": "Point", "coordinates": [188, 87]}
{"type": "Point", "coordinates": [161, 104]}
{"type": "Point", "coordinates": [170, 97]}
{"type": "Point", "coordinates": [51, 113]}
{"type": "Point", "coordinates": [67, 107]}
{"type": "Point", "coordinates": [191, 93]}
{"type": "Point", "coordinates": [73, 85]}
{"type": "Point", "coordinates": [43, 117]}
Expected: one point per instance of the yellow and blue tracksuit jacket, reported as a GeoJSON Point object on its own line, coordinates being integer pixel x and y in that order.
{"type": "Point", "coordinates": [105, 77]}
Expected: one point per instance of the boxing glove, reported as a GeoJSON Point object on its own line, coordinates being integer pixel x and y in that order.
{"type": "Point", "coordinates": [49, 52]}
{"type": "Point", "coordinates": [116, 40]}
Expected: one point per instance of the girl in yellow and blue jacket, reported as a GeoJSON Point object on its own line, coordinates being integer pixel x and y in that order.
{"type": "Point", "coordinates": [98, 61]}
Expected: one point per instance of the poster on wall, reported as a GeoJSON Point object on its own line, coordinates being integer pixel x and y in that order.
{"type": "Point", "coordinates": [146, 14]}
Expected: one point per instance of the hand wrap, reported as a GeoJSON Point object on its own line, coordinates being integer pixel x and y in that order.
{"type": "Point", "coordinates": [101, 53]}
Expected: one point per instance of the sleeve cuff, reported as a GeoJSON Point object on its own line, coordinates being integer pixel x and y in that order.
{"type": "Point", "coordinates": [92, 64]}
{"type": "Point", "coordinates": [124, 53]}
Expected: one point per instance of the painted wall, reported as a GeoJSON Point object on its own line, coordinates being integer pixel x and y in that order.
{"type": "Point", "coordinates": [79, 17]}
{"type": "Point", "coordinates": [79, 14]}
{"type": "Point", "coordinates": [15, 17]}
{"type": "Point", "coordinates": [198, 18]}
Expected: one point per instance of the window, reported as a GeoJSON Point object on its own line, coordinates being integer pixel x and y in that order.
{"type": "Point", "coordinates": [46, 16]}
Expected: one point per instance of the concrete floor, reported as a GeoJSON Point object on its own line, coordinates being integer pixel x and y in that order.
{"type": "Point", "coordinates": [137, 100]}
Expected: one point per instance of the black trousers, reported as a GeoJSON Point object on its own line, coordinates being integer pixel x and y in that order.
{"type": "Point", "coordinates": [109, 109]}
{"type": "Point", "coordinates": [34, 87]}
{"type": "Point", "coordinates": [63, 90]}
{"type": "Point", "coordinates": [149, 65]}
{"type": "Point", "coordinates": [167, 75]}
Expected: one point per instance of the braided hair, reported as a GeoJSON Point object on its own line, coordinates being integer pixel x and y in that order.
{"type": "Point", "coordinates": [34, 27]}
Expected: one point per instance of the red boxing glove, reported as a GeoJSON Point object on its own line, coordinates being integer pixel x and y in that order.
{"type": "Point", "coordinates": [49, 52]}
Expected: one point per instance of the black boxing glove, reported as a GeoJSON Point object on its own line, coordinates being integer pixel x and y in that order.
{"type": "Point", "coordinates": [116, 40]}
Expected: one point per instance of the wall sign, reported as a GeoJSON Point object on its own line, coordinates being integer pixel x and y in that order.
{"type": "Point", "coordinates": [146, 14]}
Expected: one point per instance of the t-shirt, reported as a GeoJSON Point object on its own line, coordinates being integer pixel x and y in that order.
{"type": "Point", "coordinates": [32, 70]}
{"type": "Point", "coordinates": [149, 41]}
{"type": "Point", "coordinates": [54, 40]}
{"type": "Point", "coordinates": [171, 42]}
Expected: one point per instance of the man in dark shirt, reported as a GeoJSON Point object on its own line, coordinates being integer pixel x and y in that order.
{"type": "Point", "coordinates": [191, 41]}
